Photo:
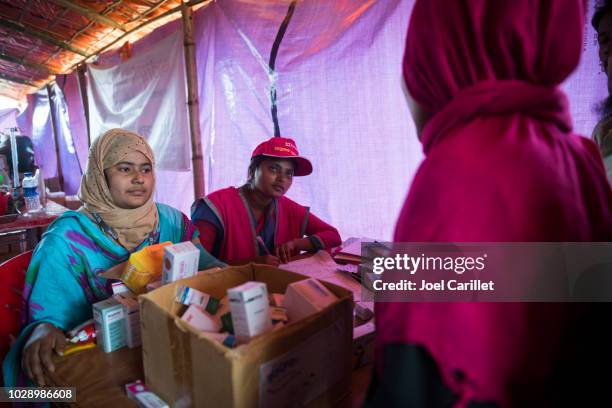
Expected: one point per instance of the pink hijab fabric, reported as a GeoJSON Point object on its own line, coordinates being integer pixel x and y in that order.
{"type": "Point", "coordinates": [501, 165]}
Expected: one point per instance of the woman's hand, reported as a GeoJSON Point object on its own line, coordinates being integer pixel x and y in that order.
{"type": "Point", "coordinates": [285, 250]}
{"type": "Point", "coordinates": [45, 339]}
{"type": "Point", "coordinates": [267, 259]}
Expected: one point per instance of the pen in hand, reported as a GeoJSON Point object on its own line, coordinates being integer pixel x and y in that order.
{"type": "Point", "coordinates": [263, 245]}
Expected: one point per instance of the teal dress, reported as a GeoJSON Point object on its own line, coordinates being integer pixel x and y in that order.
{"type": "Point", "coordinates": [63, 279]}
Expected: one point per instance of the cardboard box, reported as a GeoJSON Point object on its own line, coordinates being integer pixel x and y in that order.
{"type": "Point", "coordinates": [363, 344]}
{"type": "Point", "coordinates": [180, 261]}
{"type": "Point", "coordinates": [305, 363]}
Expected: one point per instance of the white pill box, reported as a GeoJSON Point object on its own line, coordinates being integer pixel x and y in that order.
{"type": "Point", "coordinates": [197, 317]}
{"type": "Point", "coordinates": [109, 319]}
{"type": "Point", "coordinates": [141, 394]}
{"type": "Point", "coordinates": [180, 261]}
{"type": "Point", "coordinates": [250, 310]}
{"type": "Point", "coordinates": [131, 309]}
{"type": "Point", "coordinates": [305, 298]}
{"type": "Point", "coordinates": [189, 296]}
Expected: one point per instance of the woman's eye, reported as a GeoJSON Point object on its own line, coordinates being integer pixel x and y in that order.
{"type": "Point", "coordinates": [273, 169]}
{"type": "Point", "coordinates": [146, 170]}
{"type": "Point", "coordinates": [124, 169]}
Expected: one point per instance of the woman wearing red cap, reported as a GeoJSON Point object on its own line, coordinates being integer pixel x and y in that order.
{"type": "Point", "coordinates": [256, 222]}
{"type": "Point", "coordinates": [502, 165]}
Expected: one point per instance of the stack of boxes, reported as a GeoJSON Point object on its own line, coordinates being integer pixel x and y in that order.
{"type": "Point", "coordinates": [117, 319]}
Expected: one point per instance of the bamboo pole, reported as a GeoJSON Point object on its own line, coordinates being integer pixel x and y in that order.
{"type": "Point", "coordinates": [192, 102]}
{"type": "Point", "coordinates": [52, 110]}
{"type": "Point", "coordinates": [39, 67]}
{"type": "Point", "coordinates": [133, 30]}
{"type": "Point", "coordinates": [17, 80]}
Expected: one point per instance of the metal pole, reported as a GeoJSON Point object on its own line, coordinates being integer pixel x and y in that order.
{"type": "Point", "coordinates": [15, 158]}
{"type": "Point", "coordinates": [192, 102]}
{"type": "Point", "coordinates": [85, 102]}
{"type": "Point", "coordinates": [60, 174]}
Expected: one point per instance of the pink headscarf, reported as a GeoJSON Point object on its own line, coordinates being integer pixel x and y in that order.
{"type": "Point", "coordinates": [501, 165]}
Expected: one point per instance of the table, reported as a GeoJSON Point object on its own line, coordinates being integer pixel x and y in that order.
{"type": "Point", "coordinates": [100, 377]}
{"type": "Point", "coordinates": [34, 223]}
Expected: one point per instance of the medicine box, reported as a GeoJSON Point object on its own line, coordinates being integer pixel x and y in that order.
{"type": "Point", "coordinates": [180, 261]}
{"type": "Point", "coordinates": [109, 319]}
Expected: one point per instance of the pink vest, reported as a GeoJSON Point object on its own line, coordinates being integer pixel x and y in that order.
{"type": "Point", "coordinates": [239, 237]}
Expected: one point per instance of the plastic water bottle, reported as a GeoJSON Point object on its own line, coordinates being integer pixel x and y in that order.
{"type": "Point", "coordinates": [30, 193]}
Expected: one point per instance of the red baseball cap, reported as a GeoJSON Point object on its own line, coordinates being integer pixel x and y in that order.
{"type": "Point", "coordinates": [284, 148]}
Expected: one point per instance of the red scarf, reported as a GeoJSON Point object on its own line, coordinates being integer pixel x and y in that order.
{"type": "Point", "coordinates": [501, 165]}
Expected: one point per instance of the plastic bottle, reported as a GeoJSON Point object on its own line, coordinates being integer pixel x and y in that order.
{"type": "Point", "coordinates": [30, 193]}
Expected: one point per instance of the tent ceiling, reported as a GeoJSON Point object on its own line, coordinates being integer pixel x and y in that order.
{"type": "Point", "coordinates": [42, 38]}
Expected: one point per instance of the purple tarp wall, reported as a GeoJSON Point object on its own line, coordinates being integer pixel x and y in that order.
{"type": "Point", "coordinates": [35, 121]}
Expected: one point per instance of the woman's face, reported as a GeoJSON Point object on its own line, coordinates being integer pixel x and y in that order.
{"type": "Point", "coordinates": [131, 181]}
{"type": "Point", "coordinates": [273, 177]}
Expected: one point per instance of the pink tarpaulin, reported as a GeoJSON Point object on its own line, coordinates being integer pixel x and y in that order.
{"type": "Point", "coordinates": [339, 89]}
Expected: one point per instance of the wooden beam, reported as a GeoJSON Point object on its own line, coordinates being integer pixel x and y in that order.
{"type": "Point", "coordinates": [177, 9]}
{"type": "Point", "coordinates": [11, 25]}
{"type": "Point", "coordinates": [148, 11]}
{"type": "Point", "coordinates": [16, 80]}
{"type": "Point", "coordinates": [197, 163]}
{"type": "Point", "coordinates": [21, 61]}
{"type": "Point", "coordinates": [106, 10]}
{"type": "Point", "coordinates": [25, 10]}
{"type": "Point", "coordinates": [89, 13]}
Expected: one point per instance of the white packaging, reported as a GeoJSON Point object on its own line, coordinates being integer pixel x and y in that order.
{"type": "Point", "coordinates": [109, 319]}
{"type": "Point", "coordinates": [189, 296]}
{"type": "Point", "coordinates": [119, 287]}
{"type": "Point", "coordinates": [362, 311]}
{"type": "Point", "coordinates": [131, 310]}
{"type": "Point", "coordinates": [180, 261]}
{"type": "Point", "coordinates": [141, 394]}
{"type": "Point", "coordinates": [305, 298]}
{"type": "Point", "coordinates": [250, 310]}
{"type": "Point", "coordinates": [197, 317]}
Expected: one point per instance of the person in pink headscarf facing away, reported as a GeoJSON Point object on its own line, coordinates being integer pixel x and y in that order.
{"type": "Point", "coordinates": [501, 165]}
